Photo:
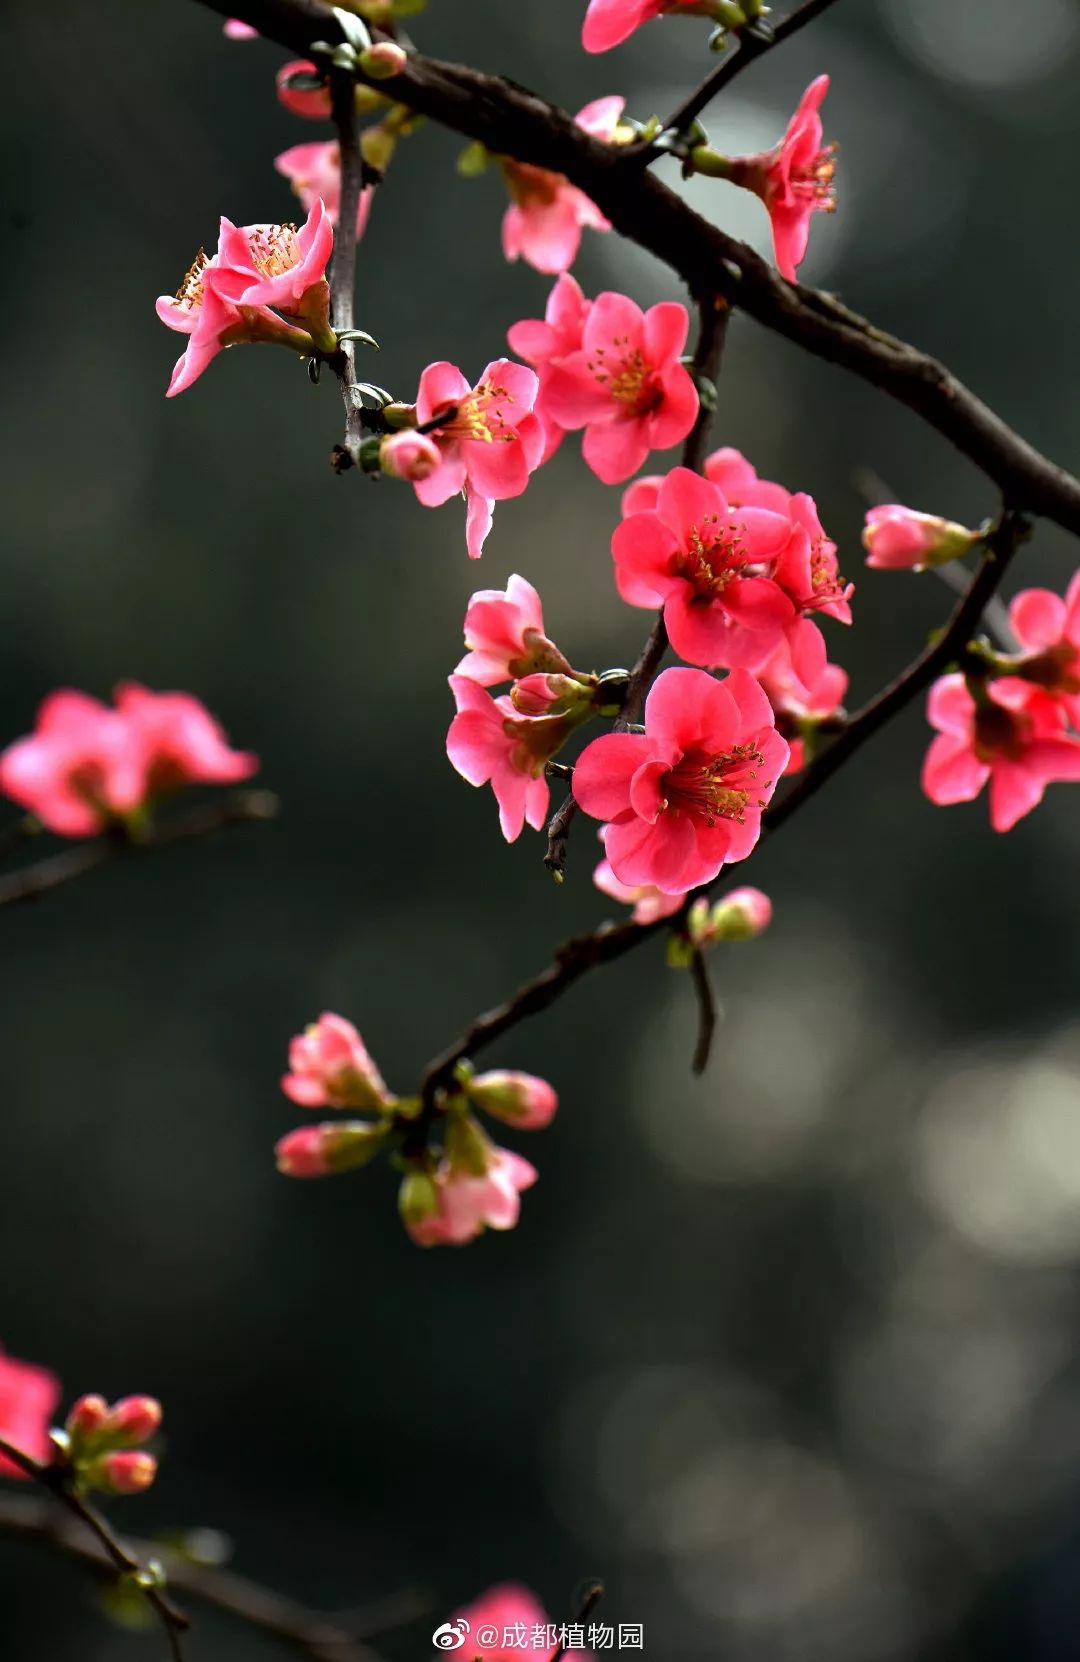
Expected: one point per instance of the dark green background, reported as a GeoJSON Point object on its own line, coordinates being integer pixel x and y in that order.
{"type": "Point", "coordinates": [787, 1356]}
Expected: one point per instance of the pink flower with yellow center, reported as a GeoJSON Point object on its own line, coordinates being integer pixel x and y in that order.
{"type": "Point", "coordinates": [544, 221]}
{"type": "Point", "coordinates": [1002, 731]}
{"type": "Point", "coordinates": [794, 180]}
{"type": "Point", "coordinates": [711, 568]}
{"type": "Point", "coordinates": [282, 267]}
{"type": "Point", "coordinates": [685, 797]}
{"type": "Point", "coordinates": [212, 322]}
{"type": "Point", "coordinates": [314, 171]}
{"type": "Point", "coordinates": [489, 440]}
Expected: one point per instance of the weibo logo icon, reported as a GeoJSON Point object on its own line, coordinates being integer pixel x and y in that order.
{"type": "Point", "coordinates": [451, 1635]}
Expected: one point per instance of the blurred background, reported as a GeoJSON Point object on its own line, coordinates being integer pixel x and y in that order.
{"type": "Point", "coordinates": [787, 1356]}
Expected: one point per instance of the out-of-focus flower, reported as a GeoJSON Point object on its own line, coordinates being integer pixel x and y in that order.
{"type": "Point", "coordinates": [649, 905]}
{"type": "Point", "coordinates": [901, 539]}
{"type": "Point", "coordinates": [236, 29]}
{"type": "Point", "coordinates": [29, 1395]}
{"type": "Point", "coordinates": [609, 22]}
{"type": "Point", "coordinates": [461, 1206]}
{"type": "Point", "coordinates": [521, 1099]}
{"type": "Point", "coordinates": [999, 731]}
{"type": "Point", "coordinates": [331, 1147]}
{"type": "Point", "coordinates": [329, 1067]}
{"type": "Point", "coordinates": [547, 214]}
{"type": "Point", "coordinates": [314, 172]}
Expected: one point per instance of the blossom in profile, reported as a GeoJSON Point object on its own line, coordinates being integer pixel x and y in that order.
{"type": "Point", "coordinates": [710, 567]}
{"type": "Point", "coordinates": [902, 539]}
{"type": "Point", "coordinates": [1048, 630]}
{"type": "Point", "coordinates": [504, 632]}
{"type": "Point", "coordinates": [794, 180]}
{"type": "Point", "coordinates": [999, 731]}
{"type": "Point", "coordinates": [547, 214]}
{"type": "Point", "coordinates": [29, 1396]}
{"type": "Point", "coordinates": [460, 1206]}
{"type": "Point", "coordinates": [609, 22]}
{"type": "Point", "coordinates": [282, 268]}
{"type": "Point", "coordinates": [489, 441]}
{"type": "Point", "coordinates": [330, 1147]}
{"type": "Point", "coordinates": [625, 385]}
{"type": "Point", "coordinates": [329, 1067]}
{"type": "Point", "coordinates": [684, 797]}
{"type": "Point", "coordinates": [314, 172]}
{"type": "Point", "coordinates": [489, 743]}
{"type": "Point", "coordinates": [178, 742]}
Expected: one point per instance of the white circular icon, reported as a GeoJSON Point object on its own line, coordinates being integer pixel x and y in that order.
{"type": "Point", "coordinates": [451, 1635]}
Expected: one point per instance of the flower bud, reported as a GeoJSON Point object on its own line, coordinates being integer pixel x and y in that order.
{"type": "Point", "coordinates": [418, 1197]}
{"type": "Point", "coordinates": [408, 455]}
{"type": "Point", "coordinates": [333, 1146]}
{"type": "Point", "coordinates": [382, 60]}
{"type": "Point", "coordinates": [521, 1099]}
{"type": "Point", "coordinates": [900, 539]}
{"type": "Point", "coordinates": [740, 916]}
{"type": "Point", "coordinates": [123, 1473]}
{"type": "Point", "coordinates": [132, 1420]}
{"type": "Point", "coordinates": [547, 695]}
{"type": "Point", "coordinates": [85, 1422]}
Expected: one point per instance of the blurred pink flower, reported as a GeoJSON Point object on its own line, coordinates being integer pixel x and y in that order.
{"type": "Point", "coordinates": [1007, 736]}
{"type": "Point", "coordinates": [29, 1396]}
{"type": "Point", "coordinates": [314, 171]}
{"type": "Point", "coordinates": [329, 1067]}
{"type": "Point", "coordinates": [544, 221]}
{"type": "Point", "coordinates": [468, 1205]}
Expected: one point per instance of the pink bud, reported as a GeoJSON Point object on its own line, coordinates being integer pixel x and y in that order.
{"type": "Point", "coordinates": [300, 1153]}
{"type": "Point", "coordinates": [901, 539]}
{"type": "Point", "coordinates": [520, 1099]}
{"type": "Point", "coordinates": [132, 1420]}
{"type": "Point", "coordinates": [383, 60]}
{"type": "Point", "coordinates": [86, 1418]}
{"type": "Point", "coordinates": [543, 695]}
{"type": "Point", "coordinates": [746, 913]}
{"type": "Point", "coordinates": [236, 29]}
{"type": "Point", "coordinates": [409, 456]}
{"type": "Point", "coordinates": [125, 1473]}
{"type": "Point", "coordinates": [303, 91]}
{"type": "Point", "coordinates": [332, 1146]}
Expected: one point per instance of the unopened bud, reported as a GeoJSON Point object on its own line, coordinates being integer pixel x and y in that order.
{"type": "Point", "coordinates": [901, 539]}
{"type": "Point", "coordinates": [85, 1422]}
{"type": "Point", "coordinates": [333, 1146]}
{"type": "Point", "coordinates": [740, 916]}
{"type": "Point", "coordinates": [467, 1148]}
{"type": "Point", "coordinates": [409, 455]}
{"type": "Point", "coordinates": [127, 1472]}
{"type": "Point", "coordinates": [132, 1420]}
{"type": "Point", "coordinates": [418, 1197]}
{"type": "Point", "coordinates": [521, 1099]}
{"type": "Point", "coordinates": [548, 695]}
{"type": "Point", "coordinates": [384, 59]}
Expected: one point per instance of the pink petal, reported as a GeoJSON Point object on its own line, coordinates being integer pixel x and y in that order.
{"type": "Point", "coordinates": [643, 547]}
{"type": "Point", "coordinates": [615, 449]}
{"type": "Point", "coordinates": [1038, 618]}
{"type": "Point", "coordinates": [604, 770]}
{"type": "Point", "coordinates": [666, 329]}
{"type": "Point", "coordinates": [952, 772]}
{"type": "Point", "coordinates": [689, 710]}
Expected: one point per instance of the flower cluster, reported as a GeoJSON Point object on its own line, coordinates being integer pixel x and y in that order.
{"type": "Point", "coordinates": [99, 1446]}
{"type": "Point", "coordinates": [88, 765]}
{"type": "Point", "coordinates": [456, 1182]}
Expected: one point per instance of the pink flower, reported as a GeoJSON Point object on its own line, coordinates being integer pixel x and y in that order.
{"type": "Point", "coordinates": [314, 171]}
{"type": "Point", "coordinates": [281, 267]}
{"type": "Point", "coordinates": [710, 568]}
{"type": "Point", "coordinates": [329, 1067]}
{"type": "Point", "coordinates": [212, 322]}
{"type": "Point", "coordinates": [304, 91]}
{"type": "Point", "coordinates": [516, 1616]}
{"type": "Point", "coordinates": [609, 22]}
{"type": "Point", "coordinates": [794, 180]}
{"type": "Point", "coordinates": [545, 342]}
{"type": "Point", "coordinates": [544, 221]}
{"type": "Point", "coordinates": [78, 768]}
{"type": "Point", "coordinates": [648, 902]}
{"type": "Point", "coordinates": [488, 439]}
{"type": "Point", "coordinates": [490, 743]}
{"type": "Point", "coordinates": [1048, 628]}
{"type": "Point", "coordinates": [1006, 735]}
{"type": "Point", "coordinates": [504, 631]}
{"type": "Point", "coordinates": [798, 679]}
{"type": "Point", "coordinates": [467, 1205]}
{"type": "Point", "coordinates": [899, 539]}
{"type": "Point", "coordinates": [625, 385]}
{"type": "Point", "coordinates": [28, 1400]}
{"type": "Point", "coordinates": [685, 796]}
{"type": "Point", "coordinates": [236, 29]}
{"type": "Point", "coordinates": [178, 742]}
{"type": "Point", "coordinates": [521, 1099]}
{"type": "Point", "coordinates": [409, 455]}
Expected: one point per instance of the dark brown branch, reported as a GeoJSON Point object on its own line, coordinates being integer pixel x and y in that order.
{"type": "Point", "coordinates": [238, 808]}
{"type": "Point", "coordinates": [54, 1480]}
{"type": "Point", "coordinates": [602, 946]}
{"type": "Point", "coordinates": [343, 270]}
{"type": "Point", "coordinates": [512, 121]}
{"type": "Point", "coordinates": [754, 42]}
{"type": "Point", "coordinates": [590, 1599]}
{"type": "Point", "coordinates": [322, 1637]}
{"type": "Point", "coordinates": [706, 998]}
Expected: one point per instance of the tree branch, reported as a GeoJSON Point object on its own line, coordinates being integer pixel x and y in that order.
{"type": "Point", "coordinates": [343, 270]}
{"type": "Point", "coordinates": [238, 808]}
{"type": "Point", "coordinates": [706, 997]}
{"type": "Point", "coordinates": [512, 121]}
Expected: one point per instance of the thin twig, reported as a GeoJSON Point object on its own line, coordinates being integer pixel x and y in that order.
{"type": "Point", "coordinates": [54, 1481]}
{"type": "Point", "coordinates": [754, 42]}
{"type": "Point", "coordinates": [590, 1599]}
{"type": "Point", "coordinates": [707, 1012]}
{"type": "Point", "coordinates": [238, 808]}
{"type": "Point", "coordinates": [343, 271]}
{"type": "Point", "coordinates": [322, 1637]}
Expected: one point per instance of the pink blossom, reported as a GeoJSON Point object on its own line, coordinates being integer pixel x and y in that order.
{"type": "Point", "coordinates": [28, 1400]}
{"type": "Point", "coordinates": [133, 1420]}
{"type": "Point", "coordinates": [625, 385]}
{"type": "Point", "coordinates": [648, 902]}
{"type": "Point", "coordinates": [798, 679]}
{"type": "Point", "coordinates": [332, 1146]}
{"type": "Point", "coordinates": [1048, 629]}
{"type": "Point", "coordinates": [684, 797]}
{"type": "Point", "coordinates": [794, 180]}
{"type": "Point", "coordinates": [710, 567]}
{"type": "Point", "coordinates": [314, 171]}
{"type": "Point", "coordinates": [281, 267]}
{"type": "Point", "coordinates": [236, 29]}
{"type": "Point", "coordinates": [178, 742]}
{"type": "Point", "coordinates": [78, 768]}
{"type": "Point", "coordinates": [409, 455]}
{"type": "Point", "coordinates": [304, 91]}
{"type": "Point", "coordinates": [122, 1473]}
{"type": "Point", "coordinates": [468, 1205]}
{"type": "Point", "coordinates": [329, 1067]}
{"type": "Point", "coordinates": [490, 743]}
{"type": "Point", "coordinates": [517, 1617]}
{"type": "Point", "coordinates": [488, 439]}
{"type": "Point", "coordinates": [545, 342]}
{"type": "Point", "coordinates": [544, 221]}
{"type": "Point", "coordinates": [521, 1099]}
{"type": "Point", "coordinates": [899, 539]}
{"type": "Point", "coordinates": [212, 322]}
{"type": "Point", "coordinates": [504, 631]}
{"type": "Point", "coordinates": [1005, 735]}
{"type": "Point", "coordinates": [609, 22]}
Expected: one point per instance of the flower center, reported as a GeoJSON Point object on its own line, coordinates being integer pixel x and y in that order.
{"type": "Point", "coordinates": [1000, 732]}
{"type": "Point", "coordinates": [1056, 668]}
{"type": "Point", "coordinates": [816, 180]}
{"type": "Point", "coordinates": [716, 787]}
{"type": "Point", "coordinates": [479, 416]}
{"type": "Point", "coordinates": [825, 578]}
{"type": "Point", "coordinates": [190, 293]}
{"type": "Point", "coordinates": [274, 249]}
{"type": "Point", "coordinates": [713, 556]}
{"type": "Point", "coordinates": [626, 377]}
